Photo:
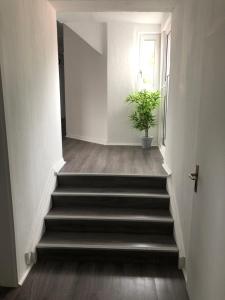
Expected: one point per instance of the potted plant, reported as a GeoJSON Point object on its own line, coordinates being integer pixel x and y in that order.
{"type": "Point", "coordinates": [143, 117]}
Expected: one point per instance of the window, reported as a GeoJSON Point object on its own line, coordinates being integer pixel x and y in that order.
{"type": "Point", "coordinates": [148, 62]}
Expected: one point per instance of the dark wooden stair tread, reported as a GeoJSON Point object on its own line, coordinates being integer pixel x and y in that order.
{"type": "Point", "coordinates": [133, 242]}
{"type": "Point", "coordinates": [106, 216]}
{"type": "Point", "coordinates": [110, 214]}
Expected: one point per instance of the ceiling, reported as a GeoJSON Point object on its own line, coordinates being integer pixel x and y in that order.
{"type": "Point", "coordinates": [102, 17]}
{"type": "Point", "coordinates": [68, 6]}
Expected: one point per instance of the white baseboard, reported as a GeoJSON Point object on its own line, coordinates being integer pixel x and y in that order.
{"type": "Point", "coordinates": [185, 274]}
{"type": "Point", "coordinates": [86, 139]}
{"type": "Point", "coordinates": [167, 169]}
{"type": "Point", "coordinates": [177, 223]}
{"type": "Point", "coordinates": [122, 144]}
{"type": "Point", "coordinates": [22, 279]}
{"type": "Point", "coordinates": [162, 149]}
{"type": "Point", "coordinates": [104, 142]}
{"type": "Point", "coordinates": [38, 224]}
{"type": "Point", "coordinates": [58, 166]}
{"type": "Point", "coordinates": [175, 213]}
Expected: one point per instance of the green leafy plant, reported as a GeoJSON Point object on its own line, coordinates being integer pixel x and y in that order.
{"type": "Point", "coordinates": [145, 103]}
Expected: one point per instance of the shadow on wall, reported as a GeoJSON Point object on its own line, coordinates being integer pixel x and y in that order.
{"type": "Point", "coordinates": [86, 89]}
{"type": "Point", "coordinates": [8, 270]}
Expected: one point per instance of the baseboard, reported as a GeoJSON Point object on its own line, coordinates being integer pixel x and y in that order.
{"type": "Point", "coordinates": [38, 224]}
{"type": "Point", "coordinates": [175, 213]}
{"type": "Point", "coordinates": [177, 223]}
{"type": "Point", "coordinates": [123, 144]}
{"type": "Point", "coordinates": [104, 142]}
{"type": "Point", "coordinates": [22, 279]}
{"type": "Point", "coordinates": [167, 169]}
{"type": "Point", "coordinates": [43, 207]}
{"type": "Point", "coordinates": [162, 149]}
{"type": "Point", "coordinates": [86, 139]}
{"type": "Point", "coordinates": [184, 271]}
{"type": "Point", "coordinates": [58, 166]}
{"type": "Point", "coordinates": [136, 144]}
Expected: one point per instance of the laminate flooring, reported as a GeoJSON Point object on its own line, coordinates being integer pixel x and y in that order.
{"type": "Point", "coordinates": [85, 157]}
{"type": "Point", "coordinates": [55, 280]}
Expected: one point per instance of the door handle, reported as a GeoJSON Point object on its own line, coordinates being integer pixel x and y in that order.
{"type": "Point", "coordinates": [194, 177]}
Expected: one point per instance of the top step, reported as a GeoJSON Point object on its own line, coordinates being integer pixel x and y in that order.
{"type": "Point", "coordinates": [74, 180]}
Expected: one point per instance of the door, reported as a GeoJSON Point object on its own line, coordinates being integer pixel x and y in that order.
{"type": "Point", "coordinates": [207, 251]}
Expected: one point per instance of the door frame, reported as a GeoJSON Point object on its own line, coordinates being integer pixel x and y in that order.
{"type": "Point", "coordinates": [166, 30]}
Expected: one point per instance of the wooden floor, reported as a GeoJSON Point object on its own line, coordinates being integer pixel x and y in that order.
{"type": "Point", "coordinates": [97, 281]}
{"type": "Point", "coordinates": [87, 157]}
{"type": "Point", "coordinates": [66, 280]}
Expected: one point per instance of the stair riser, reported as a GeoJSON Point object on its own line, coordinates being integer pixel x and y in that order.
{"type": "Point", "coordinates": [156, 257]}
{"type": "Point", "coordinates": [163, 228]}
{"type": "Point", "coordinates": [111, 202]}
{"type": "Point", "coordinates": [112, 181]}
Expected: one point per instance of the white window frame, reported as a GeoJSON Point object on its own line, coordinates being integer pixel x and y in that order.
{"type": "Point", "coordinates": [164, 87]}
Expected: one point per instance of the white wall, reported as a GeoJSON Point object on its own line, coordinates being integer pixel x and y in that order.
{"type": "Point", "coordinates": [123, 68]}
{"type": "Point", "coordinates": [32, 111]}
{"type": "Point", "coordinates": [206, 267]}
{"type": "Point", "coordinates": [183, 112]}
{"type": "Point", "coordinates": [85, 89]}
{"type": "Point", "coordinates": [182, 117]}
{"type": "Point", "coordinates": [192, 24]}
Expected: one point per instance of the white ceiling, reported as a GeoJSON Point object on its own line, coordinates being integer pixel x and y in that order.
{"type": "Point", "coordinates": [63, 6]}
{"type": "Point", "coordinates": [101, 17]}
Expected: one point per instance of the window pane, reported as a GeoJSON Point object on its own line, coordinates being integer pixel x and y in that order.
{"type": "Point", "coordinates": [147, 68]}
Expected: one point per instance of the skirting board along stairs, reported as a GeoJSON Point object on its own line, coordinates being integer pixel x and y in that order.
{"type": "Point", "coordinates": [110, 217]}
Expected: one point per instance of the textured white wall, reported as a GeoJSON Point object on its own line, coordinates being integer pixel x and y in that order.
{"type": "Point", "coordinates": [85, 89]}
{"type": "Point", "coordinates": [32, 111]}
{"type": "Point", "coordinates": [123, 68]}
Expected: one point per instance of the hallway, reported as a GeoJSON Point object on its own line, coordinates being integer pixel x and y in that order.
{"type": "Point", "coordinates": [69, 204]}
{"type": "Point", "coordinates": [84, 157]}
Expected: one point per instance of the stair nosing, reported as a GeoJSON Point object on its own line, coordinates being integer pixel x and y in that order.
{"type": "Point", "coordinates": [43, 245]}
{"type": "Point", "coordinates": [112, 174]}
{"type": "Point", "coordinates": [150, 219]}
{"type": "Point", "coordinates": [110, 194]}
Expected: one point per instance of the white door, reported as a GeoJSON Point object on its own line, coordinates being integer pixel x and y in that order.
{"type": "Point", "coordinates": [206, 273]}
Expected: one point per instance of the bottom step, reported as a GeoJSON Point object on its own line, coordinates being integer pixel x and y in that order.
{"type": "Point", "coordinates": [113, 247]}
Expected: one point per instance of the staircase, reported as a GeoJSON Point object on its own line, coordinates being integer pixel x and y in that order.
{"type": "Point", "coordinates": [109, 217]}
